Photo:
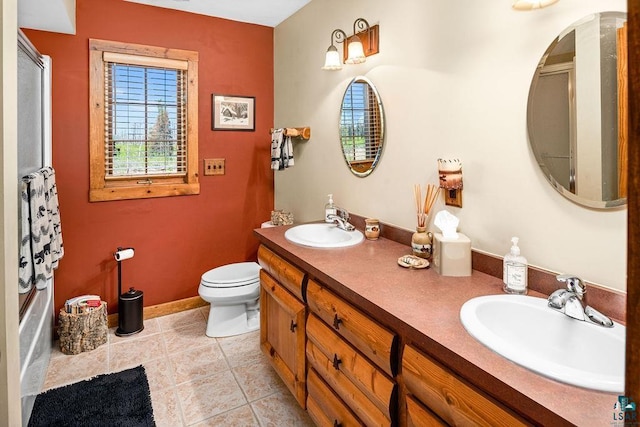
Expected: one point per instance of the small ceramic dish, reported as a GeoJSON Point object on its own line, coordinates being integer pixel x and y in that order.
{"type": "Point", "coordinates": [412, 261]}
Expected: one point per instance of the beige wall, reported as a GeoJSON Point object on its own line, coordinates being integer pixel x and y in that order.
{"type": "Point", "coordinates": [454, 79]}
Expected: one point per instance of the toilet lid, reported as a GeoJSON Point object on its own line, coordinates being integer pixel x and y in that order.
{"type": "Point", "coordinates": [232, 275]}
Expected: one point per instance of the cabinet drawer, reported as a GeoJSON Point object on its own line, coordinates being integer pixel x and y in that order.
{"type": "Point", "coordinates": [324, 407]}
{"type": "Point", "coordinates": [289, 276]}
{"type": "Point", "coordinates": [371, 339]}
{"type": "Point", "coordinates": [420, 416]}
{"type": "Point", "coordinates": [334, 357]}
{"type": "Point", "coordinates": [453, 400]}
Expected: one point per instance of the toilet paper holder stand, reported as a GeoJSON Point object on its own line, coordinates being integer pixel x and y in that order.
{"type": "Point", "coordinates": [130, 319]}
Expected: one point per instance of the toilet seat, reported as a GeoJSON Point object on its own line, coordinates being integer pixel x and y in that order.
{"type": "Point", "coordinates": [232, 275]}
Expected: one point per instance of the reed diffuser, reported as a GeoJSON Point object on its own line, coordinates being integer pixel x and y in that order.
{"type": "Point", "coordinates": [421, 240]}
{"type": "Point", "coordinates": [424, 208]}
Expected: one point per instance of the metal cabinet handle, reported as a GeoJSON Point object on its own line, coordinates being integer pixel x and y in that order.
{"type": "Point", "coordinates": [336, 362]}
{"type": "Point", "coordinates": [293, 326]}
{"type": "Point", "coordinates": [336, 321]}
{"type": "Point", "coordinates": [336, 423]}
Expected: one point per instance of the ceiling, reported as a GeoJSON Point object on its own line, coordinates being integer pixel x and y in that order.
{"type": "Point", "coordinates": [262, 12]}
{"type": "Point", "coordinates": [59, 15]}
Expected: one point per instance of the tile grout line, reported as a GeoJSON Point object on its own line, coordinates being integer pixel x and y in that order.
{"type": "Point", "coordinates": [174, 383]}
{"type": "Point", "coordinates": [233, 351]}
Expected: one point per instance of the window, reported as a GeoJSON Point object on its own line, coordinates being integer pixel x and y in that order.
{"type": "Point", "coordinates": [143, 121]}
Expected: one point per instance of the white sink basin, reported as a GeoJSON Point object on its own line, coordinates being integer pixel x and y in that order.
{"type": "Point", "coordinates": [524, 330]}
{"type": "Point", "coordinates": [323, 235]}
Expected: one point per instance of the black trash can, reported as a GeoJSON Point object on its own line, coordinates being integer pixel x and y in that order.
{"type": "Point", "coordinates": [130, 319]}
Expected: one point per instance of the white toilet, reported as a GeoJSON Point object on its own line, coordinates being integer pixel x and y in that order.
{"type": "Point", "coordinates": [233, 291]}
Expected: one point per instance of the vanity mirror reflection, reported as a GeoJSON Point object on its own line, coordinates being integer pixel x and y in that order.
{"type": "Point", "coordinates": [361, 126]}
{"type": "Point", "coordinates": [577, 113]}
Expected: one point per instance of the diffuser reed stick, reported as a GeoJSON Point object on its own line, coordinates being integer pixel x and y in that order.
{"type": "Point", "coordinates": [424, 208]}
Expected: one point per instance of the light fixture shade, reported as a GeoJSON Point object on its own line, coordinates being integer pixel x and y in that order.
{"type": "Point", "coordinates": [356, 51]}
{"type": "Point", "coordinates": [332, 60]}
{"type": "Point", "coordinates": [532, 4]}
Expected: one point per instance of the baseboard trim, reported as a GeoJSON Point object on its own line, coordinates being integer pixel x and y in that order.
{"type": "Point", "coordinates": [163, 309]}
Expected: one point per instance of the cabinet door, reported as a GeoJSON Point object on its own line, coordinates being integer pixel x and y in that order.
{"type": "Point", "coordinates": [282, 334]}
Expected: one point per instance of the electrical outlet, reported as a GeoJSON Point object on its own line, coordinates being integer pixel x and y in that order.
{"type": "Point", "coordinates": [214, 166]}
{"type": "Point", "coordinates": [453, 197]}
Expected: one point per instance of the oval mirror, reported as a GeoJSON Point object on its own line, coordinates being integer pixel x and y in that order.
{"type": "Point", "coordinates": [576, 115]}
{"type": "Point", "coordinates": [361, 126]}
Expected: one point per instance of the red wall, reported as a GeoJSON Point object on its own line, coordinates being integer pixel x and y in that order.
{"type": "Point", "coordinates": [176, 239]}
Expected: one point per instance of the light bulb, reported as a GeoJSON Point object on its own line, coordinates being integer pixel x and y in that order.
{"type": "Point", "coordinates": [332, 60]}
{"type": "Point", "coordinates": [356, 51]}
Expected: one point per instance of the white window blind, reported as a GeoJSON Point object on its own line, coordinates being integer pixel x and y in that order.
{"type": "Point", "coordinates": [145, 123]}
{"type": "Point", "coordinates": [361, 124]}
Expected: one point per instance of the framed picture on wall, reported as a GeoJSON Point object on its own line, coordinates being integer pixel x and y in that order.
{"type": "Point", "coordinates": [230, 112]}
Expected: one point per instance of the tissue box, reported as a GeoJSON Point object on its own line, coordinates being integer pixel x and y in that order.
{"type": "Point", "coordinates": [452, 257]}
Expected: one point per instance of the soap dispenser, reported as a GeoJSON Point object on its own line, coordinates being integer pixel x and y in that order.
{"type": "Point", "coordinates": [329, 209]}
{"type": "Point", "coordinates": [514, 273]}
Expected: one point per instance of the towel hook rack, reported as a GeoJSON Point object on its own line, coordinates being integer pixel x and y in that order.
{"type": "Point", "coordinates": [301, 132]}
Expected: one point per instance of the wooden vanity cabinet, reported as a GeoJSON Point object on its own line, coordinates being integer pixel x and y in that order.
{"type": "Point", "coordinates": [353, 356]}
{"type": "Point", "coordinates": [341, 365]}
{"type": "Point", "coordinates": [283, 320]}
{"type": "Point", "coordinates": [438, 397]}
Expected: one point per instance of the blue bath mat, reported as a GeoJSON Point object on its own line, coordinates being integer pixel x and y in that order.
{"type": "Point", "coordinates": [120, 399]}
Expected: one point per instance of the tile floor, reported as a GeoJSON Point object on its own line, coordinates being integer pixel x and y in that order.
{"type": "Point", "coordinates": [194, 380]}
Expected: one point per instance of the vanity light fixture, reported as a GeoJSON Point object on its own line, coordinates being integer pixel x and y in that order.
{"type": "Point", "coordinates": [532, 4]}
{"type": "Point", "coordinates": [333, 60]}
{"type": "Point", "coordinates": [355, 51]}
{"type": "Point", "coordinates": [355, 48]}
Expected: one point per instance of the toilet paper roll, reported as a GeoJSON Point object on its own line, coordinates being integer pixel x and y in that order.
{"type": "Point", "coordinates": [124, 254]}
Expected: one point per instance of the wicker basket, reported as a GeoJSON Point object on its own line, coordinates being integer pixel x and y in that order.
{"type": "Point", "coordinates": [82, 332]}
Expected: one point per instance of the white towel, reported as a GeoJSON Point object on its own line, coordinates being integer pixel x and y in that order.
{"type": "Point", "coordinates": [25, 272]}
{"type": "Point", "coordinates": [53, 210]}
{"type": "Point", "coordinates": [40, 230]}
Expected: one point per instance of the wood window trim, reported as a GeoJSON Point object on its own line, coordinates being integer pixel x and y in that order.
{"type": "Point", "coordinates": [102, 190]}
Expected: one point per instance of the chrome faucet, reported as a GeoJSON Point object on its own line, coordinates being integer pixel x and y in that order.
{"type": "Point", "coordinates": [570, 301]}
{"type": "Point", "coordinates": [341, 218]}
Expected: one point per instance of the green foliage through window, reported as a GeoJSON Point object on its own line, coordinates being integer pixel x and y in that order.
{"type": "Point", "coordinates": [145, 126]}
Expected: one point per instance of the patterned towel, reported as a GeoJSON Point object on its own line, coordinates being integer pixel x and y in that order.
{"type": "Point", "coordinates": [287, 153]}
{"type": "Point", "coordinates": [41, 239]}
{"type": "Point", "coordinates": [26, 276]}
{"type": "Point", "coordinates": [40, 230]}
{"type": "Point", "coordinates": [281, 150]}
{"type": "Point", "coordinates": [53, 209]}
{"type": "Point", "coordinates": [276, 149]}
